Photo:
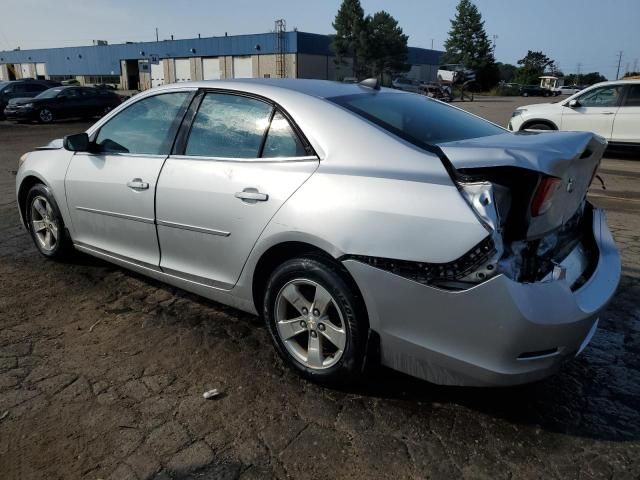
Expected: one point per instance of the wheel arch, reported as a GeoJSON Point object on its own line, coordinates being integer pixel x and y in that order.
{"type": "Point", "coordinates": [544, 121]}
{"type": "Point", "coordinates": [279, 253]}
{"type": "Point", "coordinates": [27, 183]}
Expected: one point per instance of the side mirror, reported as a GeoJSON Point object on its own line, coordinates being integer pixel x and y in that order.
{"type": "Point", "coordinates": [573, 103]}
{"type": "Point", "coordinates": [77, 143]}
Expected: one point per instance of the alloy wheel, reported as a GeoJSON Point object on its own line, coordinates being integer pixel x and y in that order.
{"type": "Point", "coordinates": [45, 115]}
{"type": "Point", "coordinates": [45, 227]}
{"type": "Point", "coordinates": [310, 324]}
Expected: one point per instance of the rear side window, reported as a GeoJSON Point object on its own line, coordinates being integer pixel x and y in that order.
{"type": "Point", "coordinates": [282, 141]}
{"type": "Point", "coordinates": [144, 127]}
{"type": "Point", "coordinates": [417, 119]}
{"type": "Point", "coordinates": [228, 126]}
{"type": "Point", "coordinates": [633, 96]}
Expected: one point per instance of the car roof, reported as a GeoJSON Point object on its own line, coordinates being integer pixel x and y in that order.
{"type": "Point", "coordinates": [314, 88]}
{"type": "Point", "coordinates": [617, 82]}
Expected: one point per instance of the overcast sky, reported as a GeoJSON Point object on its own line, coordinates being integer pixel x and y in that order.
{"type": "Point", "coordinates": [590, 32]}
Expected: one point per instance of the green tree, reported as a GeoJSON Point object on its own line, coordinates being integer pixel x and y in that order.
{"type": "Point", "coordinates": [532, 66]}
{"type": "Point", "coordinates": [507, 71]}
{"type": "Point", "coordinates": [386, 45]}
{"type": "Point", "coordinates": [350, 40]}
{"type": "Point", "coordinates": [469, 45]}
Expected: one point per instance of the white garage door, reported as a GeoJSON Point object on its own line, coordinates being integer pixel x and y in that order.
{"type": "Point", "coordinates": [242, 67]}
{"type": "Point", "coordinates": [211, 68]}
{"type": "Point", "coordinates": [41, 70]}
{"type": "Point", "coordinates": [157, 74]}
{"type": "Point", "coordinates": [25, 70]}
{"type": "Point", "coordinates": [183, 70]}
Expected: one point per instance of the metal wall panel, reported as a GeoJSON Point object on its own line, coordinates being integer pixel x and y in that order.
{"type": "Point", "coordinates": [211, 68]}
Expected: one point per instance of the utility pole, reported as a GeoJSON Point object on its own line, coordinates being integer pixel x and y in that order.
{"type": "Point", "coordinates": [495, 37]}
{"type": "Point", "coordinates": [579, 68]}
{"type": "Point", "coordinates": [156, 34]}
{"type": "Point", "coordinates": [635, 65]}
{"type": "Point", "coordinates": [619, 62]}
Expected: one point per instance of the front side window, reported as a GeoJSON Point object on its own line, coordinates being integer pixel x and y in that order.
{"type": "Point", "coordinates": [601, 97]}
{"type": "Point", "coordinates": [417, 119]}
{"type": "Point", "coordinates": [281, 140]}
{"type": "Point", "coordinates": [633, 96]}
{"type": "Point", "coordinates": [144, 127]}
{"type": "Point", "coordinates": [228, 126]}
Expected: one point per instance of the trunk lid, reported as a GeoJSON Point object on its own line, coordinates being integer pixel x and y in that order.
{"type": "Point", "coordinates": [571, 157]}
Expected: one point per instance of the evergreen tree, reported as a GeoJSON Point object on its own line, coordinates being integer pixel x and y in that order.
{"type": "Point", "coordinates": [469, 45]}
{"type": "Point", "coordinates": [351, 35]}
{"type": "Point", "coordinates": [387, 45]}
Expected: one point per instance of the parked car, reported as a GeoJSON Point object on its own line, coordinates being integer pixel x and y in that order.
{"type": "Point", "coordinates": [363, 224]}
{"type": "Point", "coordinates": [21, 89]}
{"type": "Point", "coordinates": [406, 84]}
{"type": "Point", "coordinates": [62, 102]}
{"type": "Point", "coordinates": [569, 89]}
{"type": "Point", "coordinates": [610, 109]}
{"type": "Point", "coordinates": [534, 91]}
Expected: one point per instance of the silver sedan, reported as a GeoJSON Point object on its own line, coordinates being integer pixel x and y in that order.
{"type": "Point", "coordinates": [365, 225]}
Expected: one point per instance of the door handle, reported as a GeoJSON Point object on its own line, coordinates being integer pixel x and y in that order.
{"type": "Point", "coordinates": [251, 195]}
{"type": "Point", "coordinates": [607, 113]}
{"type": "Point", "coordinates": [137, 184]}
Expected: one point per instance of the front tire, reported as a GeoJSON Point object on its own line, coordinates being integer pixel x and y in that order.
{"type": "Point", "coordinates": [45, 223]}
{"type": "Point", "coordinates": [539, 126]}
{"type": "Point", "coordinates": [525, 94]}
{"type": "Point", "coordinates": [317, 320]}
{"type": "Point", "coordinates": [45, 116]}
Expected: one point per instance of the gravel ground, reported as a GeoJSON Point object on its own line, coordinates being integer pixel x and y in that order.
{"type": "Point", "coordinates": [102, 374]}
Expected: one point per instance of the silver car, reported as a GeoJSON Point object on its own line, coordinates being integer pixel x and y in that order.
{"type": "Point", "coordinates": [365, 225]}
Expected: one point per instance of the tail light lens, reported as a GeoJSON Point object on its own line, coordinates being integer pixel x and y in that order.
{"type": "Point", "coordinates": [542, 198]}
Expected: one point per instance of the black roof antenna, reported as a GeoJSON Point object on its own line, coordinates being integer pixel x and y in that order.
{"type": "Point", "coordinates": [373, 82]}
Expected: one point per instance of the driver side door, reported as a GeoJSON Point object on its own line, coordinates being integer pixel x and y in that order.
{"type": "Point", "coordinates": [111, 190]}
{"type": "Point", "coordinates": [594, 112]}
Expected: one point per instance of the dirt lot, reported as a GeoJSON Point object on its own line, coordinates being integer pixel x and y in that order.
{"type": "Point", "coordinates": [102, 374]}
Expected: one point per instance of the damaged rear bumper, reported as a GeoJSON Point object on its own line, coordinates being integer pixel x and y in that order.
{"type": "Point", "coordinates": [500, 332]}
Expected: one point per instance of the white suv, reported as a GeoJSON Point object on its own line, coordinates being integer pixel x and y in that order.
{"type": "Point", "coordinates": [610, 109]}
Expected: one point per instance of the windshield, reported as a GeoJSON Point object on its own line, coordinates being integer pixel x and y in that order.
{"type": "Point", "coordinates": [417, 119]}
{"type": "Point", "coordinates": [52, 92]}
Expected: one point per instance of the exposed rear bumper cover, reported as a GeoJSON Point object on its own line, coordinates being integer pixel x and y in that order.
{"type": "Point", "coordinates": [474, 337]}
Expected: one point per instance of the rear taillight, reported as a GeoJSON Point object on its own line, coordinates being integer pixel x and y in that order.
{"type": "Point", "coordinates": [542, 198]}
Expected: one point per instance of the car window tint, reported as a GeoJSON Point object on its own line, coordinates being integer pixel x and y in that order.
{"type": "Point", "coordinates": [36, 87]}
{"type": "Point", "coordinates": [417, 119]}
{"type": "Point", "coordinates": [601, 97]}
{"type": "Point", "coordinates": [633, 96]}
{"type": "Point", "coordinates": [282, 141]}
{"type": "Point", "coordinates": [143, 127]}
{"type": "Point", "coordinates": [229, 126]}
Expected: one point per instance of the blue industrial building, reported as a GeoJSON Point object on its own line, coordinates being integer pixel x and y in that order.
{"type": "Point", "coordinates": [140, 65]}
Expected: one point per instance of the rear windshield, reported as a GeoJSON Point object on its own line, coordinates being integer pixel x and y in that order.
{"type": "Point", "coordinates": [416, 118]}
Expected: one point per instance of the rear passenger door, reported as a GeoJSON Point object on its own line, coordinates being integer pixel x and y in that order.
{"type": "Point", "coordinates": [626, 126]}
{"type": "Point", "coordinates": [237, 160]}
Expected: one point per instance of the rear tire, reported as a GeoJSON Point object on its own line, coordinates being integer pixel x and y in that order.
{"type": "Point", "coordinates": [317, 320]}
{"type": "Point", "coordinates": [45, 223]}
{"type": "Point", "coordinates": [525, 94]}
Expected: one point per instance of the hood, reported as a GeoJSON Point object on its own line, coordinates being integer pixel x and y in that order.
{"type": "Point", "coordinates": [20, 101]}
{"type": "Point", "coordinates": [52, 145]}
{"type": "Point", "coordinates": [547, 152]}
